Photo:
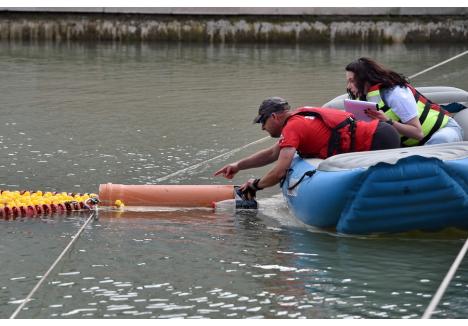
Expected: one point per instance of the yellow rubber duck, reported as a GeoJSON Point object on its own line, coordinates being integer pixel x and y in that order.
{"type": "Point", "coordinates": [119, 203]}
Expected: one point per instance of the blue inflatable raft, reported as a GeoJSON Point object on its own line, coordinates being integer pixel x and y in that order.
{"type": "Point", "coordinates": [396, 190]}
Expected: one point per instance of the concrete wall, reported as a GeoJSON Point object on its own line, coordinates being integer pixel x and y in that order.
{"type": "Point", "coordinates": [245, 11]}
{"type": "Point", "coordinates": [294, 25]}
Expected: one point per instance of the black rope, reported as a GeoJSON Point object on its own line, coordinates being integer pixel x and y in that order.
{"type": "Point", "coordinates": [283, 179]}
{"type": "Point", "coordinates": [306, 174]}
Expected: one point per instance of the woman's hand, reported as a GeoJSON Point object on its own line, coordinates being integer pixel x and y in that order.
{"type": "Point", "coordinates": [376, 115]}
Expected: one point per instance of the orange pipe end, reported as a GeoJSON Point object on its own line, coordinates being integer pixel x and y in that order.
{"type": "Point", "coordinates": [164, 195]}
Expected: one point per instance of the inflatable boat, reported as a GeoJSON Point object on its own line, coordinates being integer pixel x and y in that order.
{"type": "Point", "coordinates": [386, 191]}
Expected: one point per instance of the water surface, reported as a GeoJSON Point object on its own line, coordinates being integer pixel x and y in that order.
{"type": "Point", "coordinates": [78, 115]}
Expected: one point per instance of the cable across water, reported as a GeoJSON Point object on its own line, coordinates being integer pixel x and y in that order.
{"type": "Point", "coordinates": [428, 312]}
{"type": "Point", "coordinates": [449, 276]}
{"type": "Point", "coordinates": [439, 64]}
{"type": "Point", "coordinates": [192, 167]}
{"type": "Point", "coordinates": [445, 283]}
{"type": "Point", "coordinates": [74, 238]}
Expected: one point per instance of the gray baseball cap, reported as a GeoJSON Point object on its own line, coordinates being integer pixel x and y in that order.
{"type": "Point", "coordinates": [269, 106]}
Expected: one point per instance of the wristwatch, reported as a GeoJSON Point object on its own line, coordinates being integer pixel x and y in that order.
{"type": "Point", "coordinates": [390, 122]}
{"type": "Point", "coordinates": [255, 185]}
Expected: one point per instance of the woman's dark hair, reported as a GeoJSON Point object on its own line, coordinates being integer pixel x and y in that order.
{"type": "Point", "coordinates": [368, 71]}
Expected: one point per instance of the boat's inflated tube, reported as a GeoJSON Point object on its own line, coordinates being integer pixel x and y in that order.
{"type": "Point", "coordinates": [393, 190]}
{"type": "Point", "coordinates": [462, 119]}
{"type": "Point", "coordinates": [165, 195]}
{"type": "Point", "coordinates": [438, 94]}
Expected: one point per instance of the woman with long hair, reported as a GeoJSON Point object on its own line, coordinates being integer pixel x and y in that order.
{"type": "Point", "coordinates": [418, 120]}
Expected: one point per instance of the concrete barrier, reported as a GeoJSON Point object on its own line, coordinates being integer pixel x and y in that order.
{"type": "Point", "coordinates": [249, 11]}
{"type": "Point", "coordinates": [293, 25]}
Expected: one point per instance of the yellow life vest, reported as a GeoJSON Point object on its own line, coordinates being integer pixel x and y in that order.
{"type": "Point", "coordinates": [431, 116]}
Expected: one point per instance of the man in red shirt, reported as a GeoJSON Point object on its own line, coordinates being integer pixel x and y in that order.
{"type": "Point", "coordinates": [312, 132]}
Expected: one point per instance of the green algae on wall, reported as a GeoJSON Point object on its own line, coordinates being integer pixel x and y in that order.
{"type": "Point", "coordinates": [222, 29]}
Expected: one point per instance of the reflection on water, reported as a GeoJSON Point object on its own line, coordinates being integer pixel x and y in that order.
{"type": "Point", "coordinates": [77, 115]}
{"type": "Point", "coordinates": [197, 264]}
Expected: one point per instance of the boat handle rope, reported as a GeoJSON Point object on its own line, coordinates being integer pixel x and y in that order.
{"type": "Point", "coordinates": [306, 174]}
{"type": "Point", "coordinates": [443, 286]}
{"type": "Point", "coordinates": [283, 179]}
{"type": "Point", "coordinates": [36, 287]}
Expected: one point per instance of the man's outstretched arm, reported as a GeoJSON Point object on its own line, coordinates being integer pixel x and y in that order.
{"type": "Point", "coordinates": [256, 160]}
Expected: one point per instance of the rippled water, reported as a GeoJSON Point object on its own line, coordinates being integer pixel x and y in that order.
{"type": "Point", "coordinates": [77, 115]}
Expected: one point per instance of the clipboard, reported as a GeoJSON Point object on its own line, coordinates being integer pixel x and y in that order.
{"type": "Point", "coordinates": [357, 108]}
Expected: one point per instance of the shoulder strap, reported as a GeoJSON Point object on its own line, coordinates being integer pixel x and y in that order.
{"type": "Point", "coordinates": [334, 143]}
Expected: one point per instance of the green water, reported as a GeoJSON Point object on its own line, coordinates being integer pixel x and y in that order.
{"type": "Point", "coordinates": [78, 115]}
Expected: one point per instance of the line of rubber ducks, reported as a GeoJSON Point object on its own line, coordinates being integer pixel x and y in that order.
{"type": "Point", "coordinates": [32, 203]}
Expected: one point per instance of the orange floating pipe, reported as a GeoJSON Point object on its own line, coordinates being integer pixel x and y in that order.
{"type": "Point", "coordinates": [164, 195]}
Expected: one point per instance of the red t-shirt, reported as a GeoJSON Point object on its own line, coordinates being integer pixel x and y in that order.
{"type": "Point", "coordinates": [310, 135]}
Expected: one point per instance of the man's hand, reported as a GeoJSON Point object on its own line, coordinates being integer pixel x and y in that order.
{"type": "Point", "coordinates": [228, 171]}
{"type": "Point", "coordinates": [248, 189]}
